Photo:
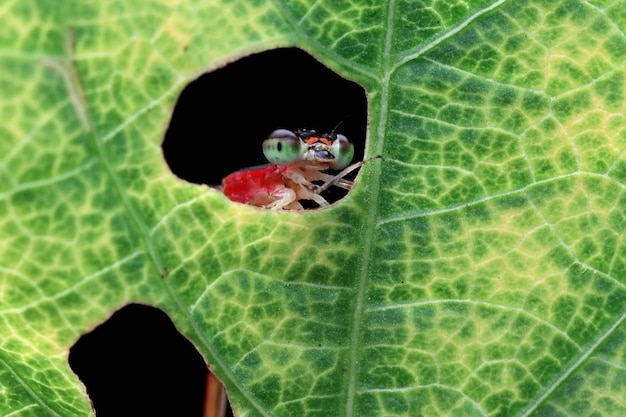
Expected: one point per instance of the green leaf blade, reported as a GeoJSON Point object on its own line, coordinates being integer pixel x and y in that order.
{"type": "Point", "coordinates": [478, 269]}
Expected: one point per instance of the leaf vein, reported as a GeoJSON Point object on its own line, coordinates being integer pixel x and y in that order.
{"type": "Point", "coordinates": [412, 54]}
{"type": "Point", "coordinates": [477, 303]}
{"type": "Point", "coordinates": [569, 370]}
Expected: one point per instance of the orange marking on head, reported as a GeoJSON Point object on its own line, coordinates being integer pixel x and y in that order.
{"type": "Point", "coordinates": [314, 139]}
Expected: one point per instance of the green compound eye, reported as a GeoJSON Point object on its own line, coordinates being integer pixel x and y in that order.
{"type": "Point", "coordinates": [283, 147]}
{"type": "Point", "coordinates": [343, 151]}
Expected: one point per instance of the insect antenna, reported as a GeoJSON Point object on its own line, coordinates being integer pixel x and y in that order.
{"type": "Point", "coordinates": [332, 132]}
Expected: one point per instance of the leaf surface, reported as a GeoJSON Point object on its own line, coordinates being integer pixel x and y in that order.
{"type": "Point", "coordinates": [479, 269]}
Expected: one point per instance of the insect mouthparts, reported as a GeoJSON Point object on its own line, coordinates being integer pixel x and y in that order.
{"type": "Point", "coordinates": [324, 154]}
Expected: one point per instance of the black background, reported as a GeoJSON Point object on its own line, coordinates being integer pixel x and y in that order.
{"type": "Point", "coordinates": [222, 118]}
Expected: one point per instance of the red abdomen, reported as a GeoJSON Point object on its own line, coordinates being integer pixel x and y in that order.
{"type": "Point", "coordinates": [254, 186]}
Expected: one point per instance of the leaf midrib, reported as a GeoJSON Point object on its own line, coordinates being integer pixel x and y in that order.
{"type": "Point", "coordinates": [370, 221]}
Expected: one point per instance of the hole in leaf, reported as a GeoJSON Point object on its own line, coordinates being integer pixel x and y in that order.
{"type": "Point", "coordinates": [137, 363]}
{"type": "Point", "coordinates": [221, 119]}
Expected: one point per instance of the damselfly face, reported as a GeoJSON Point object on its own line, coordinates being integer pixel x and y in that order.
{"type": "Point", "coordinates": [285, 147]}
{"type": "Point", "coordinates": [298, 171]}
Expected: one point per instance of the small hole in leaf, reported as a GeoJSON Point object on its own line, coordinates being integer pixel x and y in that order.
{"type": "Point", "coordinates": [221, 119]}
{"type": "Point", "coordinates": [137, 363]}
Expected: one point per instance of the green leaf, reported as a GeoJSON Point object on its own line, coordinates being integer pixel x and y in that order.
{"type": "Point", "coordinates": [479, 269]}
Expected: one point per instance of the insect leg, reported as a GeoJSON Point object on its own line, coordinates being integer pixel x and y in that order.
{"type": "Point", "coordinates": [321, 201]}
{"type": "Point", "coordinates": [339, 177]}
{"type": "Point", "coordinates": [341, 182]}
{"type": "Point", "coordinates": [286, 196]}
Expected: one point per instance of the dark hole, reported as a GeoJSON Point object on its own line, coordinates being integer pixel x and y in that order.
{"type": "Point", "coordinates": [138, 364]}
{"type": "Point", "coordinates": [222, 118]}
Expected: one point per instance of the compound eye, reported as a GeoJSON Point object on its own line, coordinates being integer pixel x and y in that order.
{"type": "Point", "coordinates": [282, 147]}
{"type": "Point", "coordinates": [343, 151]}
